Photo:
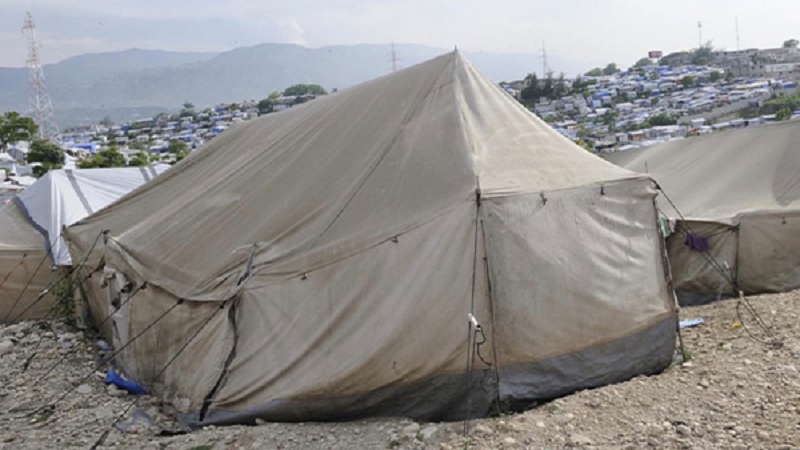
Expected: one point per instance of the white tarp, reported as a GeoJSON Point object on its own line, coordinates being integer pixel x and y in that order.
{"type": "Point", "coordinates": [63, 197]}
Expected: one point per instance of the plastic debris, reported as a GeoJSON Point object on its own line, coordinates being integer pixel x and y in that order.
{"type": "Point", "coordinates": [132, 387]}
{"type": "Point", "coordinates": [689, 323]}
{"type": "Point", "coordinates": [140, 423]}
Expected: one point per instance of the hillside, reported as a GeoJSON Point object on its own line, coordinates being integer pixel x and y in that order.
{"type": "Point", "coordinates": [133, 82]}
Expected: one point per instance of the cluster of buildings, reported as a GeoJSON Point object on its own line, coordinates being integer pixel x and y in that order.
{"type": "Point", "coordinates": [153, 135]}
{"type": "Point", "coordinates": [781, 62]}
{"type": "Point", "coordinates": [647, 105]}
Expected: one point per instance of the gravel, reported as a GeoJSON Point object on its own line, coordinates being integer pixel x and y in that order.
{"type": "Point", "coordinates": [734, 393]}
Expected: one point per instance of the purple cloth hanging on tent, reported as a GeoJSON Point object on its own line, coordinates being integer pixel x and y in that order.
{"type": "Point", "coordinates": [696, 242]}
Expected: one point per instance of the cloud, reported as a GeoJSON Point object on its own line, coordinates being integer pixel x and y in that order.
{"type": "Point", "coordinates": [294, 33]}
{"type": "Point", "coordinates": [583, 30]}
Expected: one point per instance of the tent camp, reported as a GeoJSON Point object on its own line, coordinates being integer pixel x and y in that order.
{"type": "Point", "coordinates": [419, 245]}
{"type": "Point", "coordinates": [30, 230]}
{"type": "Point", "coordinates": [739, 192]}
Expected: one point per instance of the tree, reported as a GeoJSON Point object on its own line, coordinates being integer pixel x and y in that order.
{"type": "Point", "coordinates": [304, 89]}
{"type": "Point", "coordinates": [703, 55]}
{"type": "Point", "coordinates": [548, 87]}
{"type": "Point", "coordinates": [107, 122]}
{"type": "Point", "coordinates": [560, 86]}
{"type": "Point", "coordinates": [530, 94]}
{"type": "Point", "coordinates": [783, 114]}
{"type": "Point", "coordinates": [267, 105]}
{"type": "Point", "coordinates": [188, 109]}
{"type": "Point", "coordinates": [110, 157]}
{"type": "Point", "coordinates": [596, 72]}
{"type": "Point", "coordinates": [140, 159]}
{"type": "Point", "coordinates": [14, 127]}
{"type": "Point", "coordinates": [179, 149]}
{"type": "Point", "coordinates": [177, 146]}
{"type": "Point", "coordinates": [609, 118]}
{"type": "Point", "coordinates": [688, 81]}
{"type": "Point", "coordinates": [661, 120]}
{"type": "Point", "coordinates": [643, 62]}
{"type": "Point", "coordinates": [714, 76]}
{"type": "Point", "coordinates": [48, 154]}
{"type": "Point", "coordinates": [790, 43]}
{"type": "Point", "coordinates": [674, 59]}
{"type": "Point", "coordinates": [610, 69]}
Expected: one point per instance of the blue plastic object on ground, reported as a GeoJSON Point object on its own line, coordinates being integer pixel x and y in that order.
{"type": "Point", "coordinates": [688, 323]}
{"type": "Point", "coordinates": [130, 386]}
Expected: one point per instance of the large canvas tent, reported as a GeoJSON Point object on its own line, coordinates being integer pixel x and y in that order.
{"type": "Point", "coordinates": [322, 263]}
{"type": "Point", "coordinates": [31, 246]}
{"type": "Point", "coordinates": [740, 190]}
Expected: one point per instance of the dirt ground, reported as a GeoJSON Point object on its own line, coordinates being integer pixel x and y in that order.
{"type": "Point", "coordinates": [736, 392]}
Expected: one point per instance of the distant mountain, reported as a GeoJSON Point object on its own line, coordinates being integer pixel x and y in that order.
{"type": "Point", "coordinates": [138, 82]}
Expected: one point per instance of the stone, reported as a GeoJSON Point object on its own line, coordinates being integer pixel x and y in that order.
{"type": "Point", "coordinates": [482, 429]}
{"type": "Point", "coordinates": [762, 435]}
{"type": "Point", "coordinates": [260, 421]}
{"type": "Point", "coordinates": [428, 432]}
{"type": "Point", "coordinates": [411, 430]}
{"type": "Point", "coordinates": [114, 391]}
{"type": "Point", "coordinates": [683, 430]}
{"type": "Point", "coordinates": [508, 440]}
{"type": "Point", "coordinates": [6, 347]}
{"type": "Point", "coordinates": [579, 440]}
{"type": "Point", "coordinates": [563, 419]}
{"type": "Point", "coordinates": [84, 389]}
{"type": "Point", "coordinates": [704, 382]}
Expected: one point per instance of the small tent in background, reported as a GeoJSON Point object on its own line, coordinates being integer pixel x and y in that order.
{"type": "Point", "coordinates": [30, 230]}
{"type": "Point", "coordinates": [739, 192]}
{"type": "Point", "coordinates": [322, 263]}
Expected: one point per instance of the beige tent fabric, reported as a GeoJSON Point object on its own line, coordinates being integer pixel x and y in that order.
{"type": "Point", "coordinates": [769, 252]}
{"type": "Point", "coordinates": [747, 179]}
{"type": "Point", "coordinates": [694, 271]}
{"type": "Point", "coordinates": [22, 251]}
{"type": "Point", "coordinates": [595, 252]}
{"type": "Point", "coordinates": [348, 239]}
{"type": "Point", "coordinates": [725, 174]}
{"type": "Point", "coordinates": [421, 285]}
{"type": "Point", "coordinates": [387, 145]}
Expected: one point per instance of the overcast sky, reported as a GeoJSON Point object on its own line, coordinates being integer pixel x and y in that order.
{"type": "Point", "coordinates": [583, 31]}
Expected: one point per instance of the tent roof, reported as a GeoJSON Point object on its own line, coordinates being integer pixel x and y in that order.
{"type": "Point", "coordinates": [16, 232]}
{"type": "Point", "coordinates": [721, 175]}
{"type": "Point", "coordinates": [64, 196]}
{"type": "Point", "coordinates": [335, 175]}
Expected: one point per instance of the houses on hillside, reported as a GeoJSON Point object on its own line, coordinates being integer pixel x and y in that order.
{"type": "Point", "coordinates": [653, 104]}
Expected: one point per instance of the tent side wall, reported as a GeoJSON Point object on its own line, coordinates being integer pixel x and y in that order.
{"type": "Point", "coordinates": [579, 289]}
{"type": "Point", "coordinates": [381, 333]}
{"type": "Point", "coordinates": [694, 274]}
{"type": "Point", "coordinates": [769, 252]}
{"type": "Point", "coordinates": [21, 284]}
{"type": "Point", "coordinates": [25, 268]}
{"type": "Point", "coordinates": [177, 348]}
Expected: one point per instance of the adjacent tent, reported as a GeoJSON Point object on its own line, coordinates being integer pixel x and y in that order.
{"type": "Point", "coordinates": [25, 267]}
{"type": "Point", "coordinates": [741, 191]}
{"type": "Point", "coordinates": [63, 197]}
{"type": "Point", "coordinates": [321, 263]}
{"type": "Point", "coordinates": [31, 246]}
